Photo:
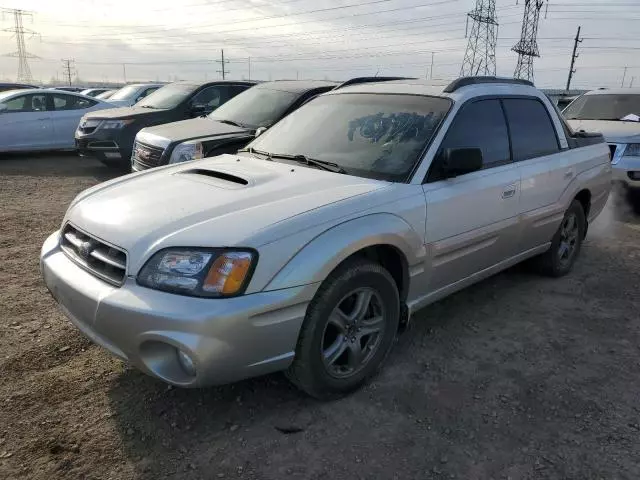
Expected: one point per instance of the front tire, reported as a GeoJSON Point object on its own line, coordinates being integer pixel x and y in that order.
{"type": "Point", "coordinates": [348, 330]}
{"type": "Point", "coordinates": [565, 245]}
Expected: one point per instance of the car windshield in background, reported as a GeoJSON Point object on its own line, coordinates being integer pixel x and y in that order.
{"type": "Point", "coordinates": [168, 96]}
{"type": "Point", "coordinates": [603, 107]}
{"type": "Point", "coordinates": [257, 107]}
{"type": "Point", "coordinates": [124, 93]}
{"type": "Point", "coordinates": [374, 136]}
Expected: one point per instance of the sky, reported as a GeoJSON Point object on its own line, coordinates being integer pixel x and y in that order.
{"type": "Point", "coordinates": [137, 40]}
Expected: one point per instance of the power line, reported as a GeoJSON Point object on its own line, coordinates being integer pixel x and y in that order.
{"type": "Point", "coordinates": [481, 48]}
{"type": "Point", "coordinates": [24, 72]}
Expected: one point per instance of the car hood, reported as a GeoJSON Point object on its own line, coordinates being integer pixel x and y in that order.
{"type": "Point", "coordinates": [123, 112]}
{"type": "Point", "coordinates": [194, 128]}
{"type": "Point", "coordinates": [218, 202]}
{"type": "Point", "coordinates": [613, 131]}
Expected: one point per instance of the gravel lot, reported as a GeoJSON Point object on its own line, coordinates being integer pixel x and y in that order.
{"type": "Point", "coordinates": [517, 377]}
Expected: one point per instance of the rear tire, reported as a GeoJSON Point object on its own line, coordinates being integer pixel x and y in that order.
{"type": "Point", "coordinates": [565, 245]}
{"type": "Point", "coordinates": [348, 330]}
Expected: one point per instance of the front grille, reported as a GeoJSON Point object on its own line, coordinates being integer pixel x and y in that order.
{"type": "Point", "coordinates": [146, 156]}
{"type": "Point", "coordinates": [612, 149]}
{"type": "Point", "coordinates": [87, 130]}
{"type": "Point", "coordinates": [104, 261]}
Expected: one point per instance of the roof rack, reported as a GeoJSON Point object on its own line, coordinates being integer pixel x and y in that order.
{"type": "Point", "coordinates": [465, 81]}
{"type": "Point", "coordinates": [356, 80]}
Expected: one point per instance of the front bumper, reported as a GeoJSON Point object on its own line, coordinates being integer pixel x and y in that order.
{"type": "Point", "coordinates": [627, 171]}
{"type": "Point", "coordinates": [105, 145]}
{"type": "Point", "coordinates": [226, 339]}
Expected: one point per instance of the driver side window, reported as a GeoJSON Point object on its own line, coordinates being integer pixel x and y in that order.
{"type": "Point", "coordinates": [210, 98]}
{"type": "Point", "coordinates": [480, 125]}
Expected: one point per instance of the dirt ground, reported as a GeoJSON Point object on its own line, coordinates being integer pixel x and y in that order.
{"type": "Point", "coordinates": [518, 377]}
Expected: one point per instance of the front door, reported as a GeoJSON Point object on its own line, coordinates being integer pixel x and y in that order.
{"type": "Point", "coordinates": [26, 123]}
{"type": "Point", "coordinates": [67, 112]}
{"type": "Point", "coordinates": [472, 220]}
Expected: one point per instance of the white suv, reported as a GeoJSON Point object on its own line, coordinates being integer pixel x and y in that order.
{"type": "Point", "coordinates": [616, 114]}
{"type": "Point", "coordinates": [306, 251]}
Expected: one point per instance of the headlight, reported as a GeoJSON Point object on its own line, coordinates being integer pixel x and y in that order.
{"type": "Point", "coordinates": [632, 150]}
{"type": "Point", "coordinates": [186, 151]}
{"type": "Point", "coordinates": [199, 272]}
{"type": "Point", "coordinates": [115, 124]}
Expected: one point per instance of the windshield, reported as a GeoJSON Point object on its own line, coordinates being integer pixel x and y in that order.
{"type": "Point", "coordinates": [125, 93]}
{"type": "Point", "coordinates": [168, 96]}
{"type": "Point", "coordinates": [373, 136]}
{"type": "Point", "coordinates": [256, 107]}
{"type": "Point", "coordinates": [603, 107]}
{"type": "Point", "coordinates": [7, 94]}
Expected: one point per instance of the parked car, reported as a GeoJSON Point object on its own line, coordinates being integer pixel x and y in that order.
{"type": "Point", "coordinates": [14, 86]}
{"type": "Point", "coordinates": [70, 89]}
{"type": "Point", "coordinates": [129, 95]}
{"type": "Point", "coordinates": [307, 251]}
{"type": "Point", "coordinates": [109, 135]}
{"type": "Point", "coordinates": [106, 94]}
{"type": "Point", "coordinates": [616, 114]}
{"type": "Point", "coordinates": [94, 92]}
{"type": "Point", "coordinates": [42, 119]}
{"type": "Point", "coordinates": [227, 128]}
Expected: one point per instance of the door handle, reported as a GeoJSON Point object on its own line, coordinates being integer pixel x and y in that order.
{"type": "Point", "coordinates": [43, 118]}
{"type": "Point", "coordinates": [509, 191]}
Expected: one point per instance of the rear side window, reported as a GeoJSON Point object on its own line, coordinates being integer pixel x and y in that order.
{"type": "Point", "coordinates": [71, 102]}
{"type": "Point", "coordinates": [532, 132]}
{"type": "Point", "coordinates": [481, 125]}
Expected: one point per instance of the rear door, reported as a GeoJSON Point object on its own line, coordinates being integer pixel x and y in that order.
{"type": "Point", "coordinates": [26, 123]}
{"type": "Point", "coordinates": [472, 219]}
{"type": "Point", "coordinates": [67, 111]}
{"type": "Point", "coordinates": [545, 170]}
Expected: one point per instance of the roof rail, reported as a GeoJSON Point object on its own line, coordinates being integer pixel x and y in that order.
{"type": "Point", "coordinates": [465, 81]}
{"type": "Point", "coordinates": [356, 80]}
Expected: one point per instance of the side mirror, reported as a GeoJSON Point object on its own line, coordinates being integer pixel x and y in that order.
{"type": "Point", "coordinates": [260, 131]}
{"type": "Point", "coordinates": [458, 161]}
{"type": "Point", "coordinates": [197, 110]}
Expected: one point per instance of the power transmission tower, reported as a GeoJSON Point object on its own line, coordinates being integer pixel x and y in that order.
{"type": "Point", "coordinates": [67, 68]}
{"type": "Point", "coordinates": [527, 47]}
{"type": "Point", "coordinates": [574, 55]}
{"type": "Point", "coordinates": [222, 62]}
{"type": "Point", "coordinates": [24, 72]}
{"type": "Point", "coordinates": [481, 48]}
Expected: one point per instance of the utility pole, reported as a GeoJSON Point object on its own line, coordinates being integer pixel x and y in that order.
{"type": "Point", "coordinates": [527, 47]}
{"type": "Point", "coordinates": [574, 55]}
{"type": "Point", "coordinates": [124, 72]}
{"type": "Point", "coordinates": [631, 84]}
{"type": "Point", "coordinates": [222, 62]}
{"type": "Point", "coordinates": [624, 75]}
{"type": "Point", "coordinates": [431, 68]}
{"type": "Point", "coordinates": [481, 48]}
{"type": "Point", "coordinates": [67, 68]}
{"type": "Point", "coordinates": [24, 72]}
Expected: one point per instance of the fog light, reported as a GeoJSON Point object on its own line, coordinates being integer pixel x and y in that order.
{"type": "Point", "coordinates": [634, 175]}
{"type": "Point", "coordinates": [186, 363]}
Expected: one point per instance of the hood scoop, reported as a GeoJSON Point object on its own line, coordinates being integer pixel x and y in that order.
{"type": "Point", "coordinates": [220, 179]}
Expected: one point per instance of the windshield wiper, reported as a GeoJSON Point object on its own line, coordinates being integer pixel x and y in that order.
{"type": "Point", "coordinates": [231, 122]}
{"type": "Point", "coordinates": [256, 152]}
{"type": "Point", "coordinates": [321, 164]}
